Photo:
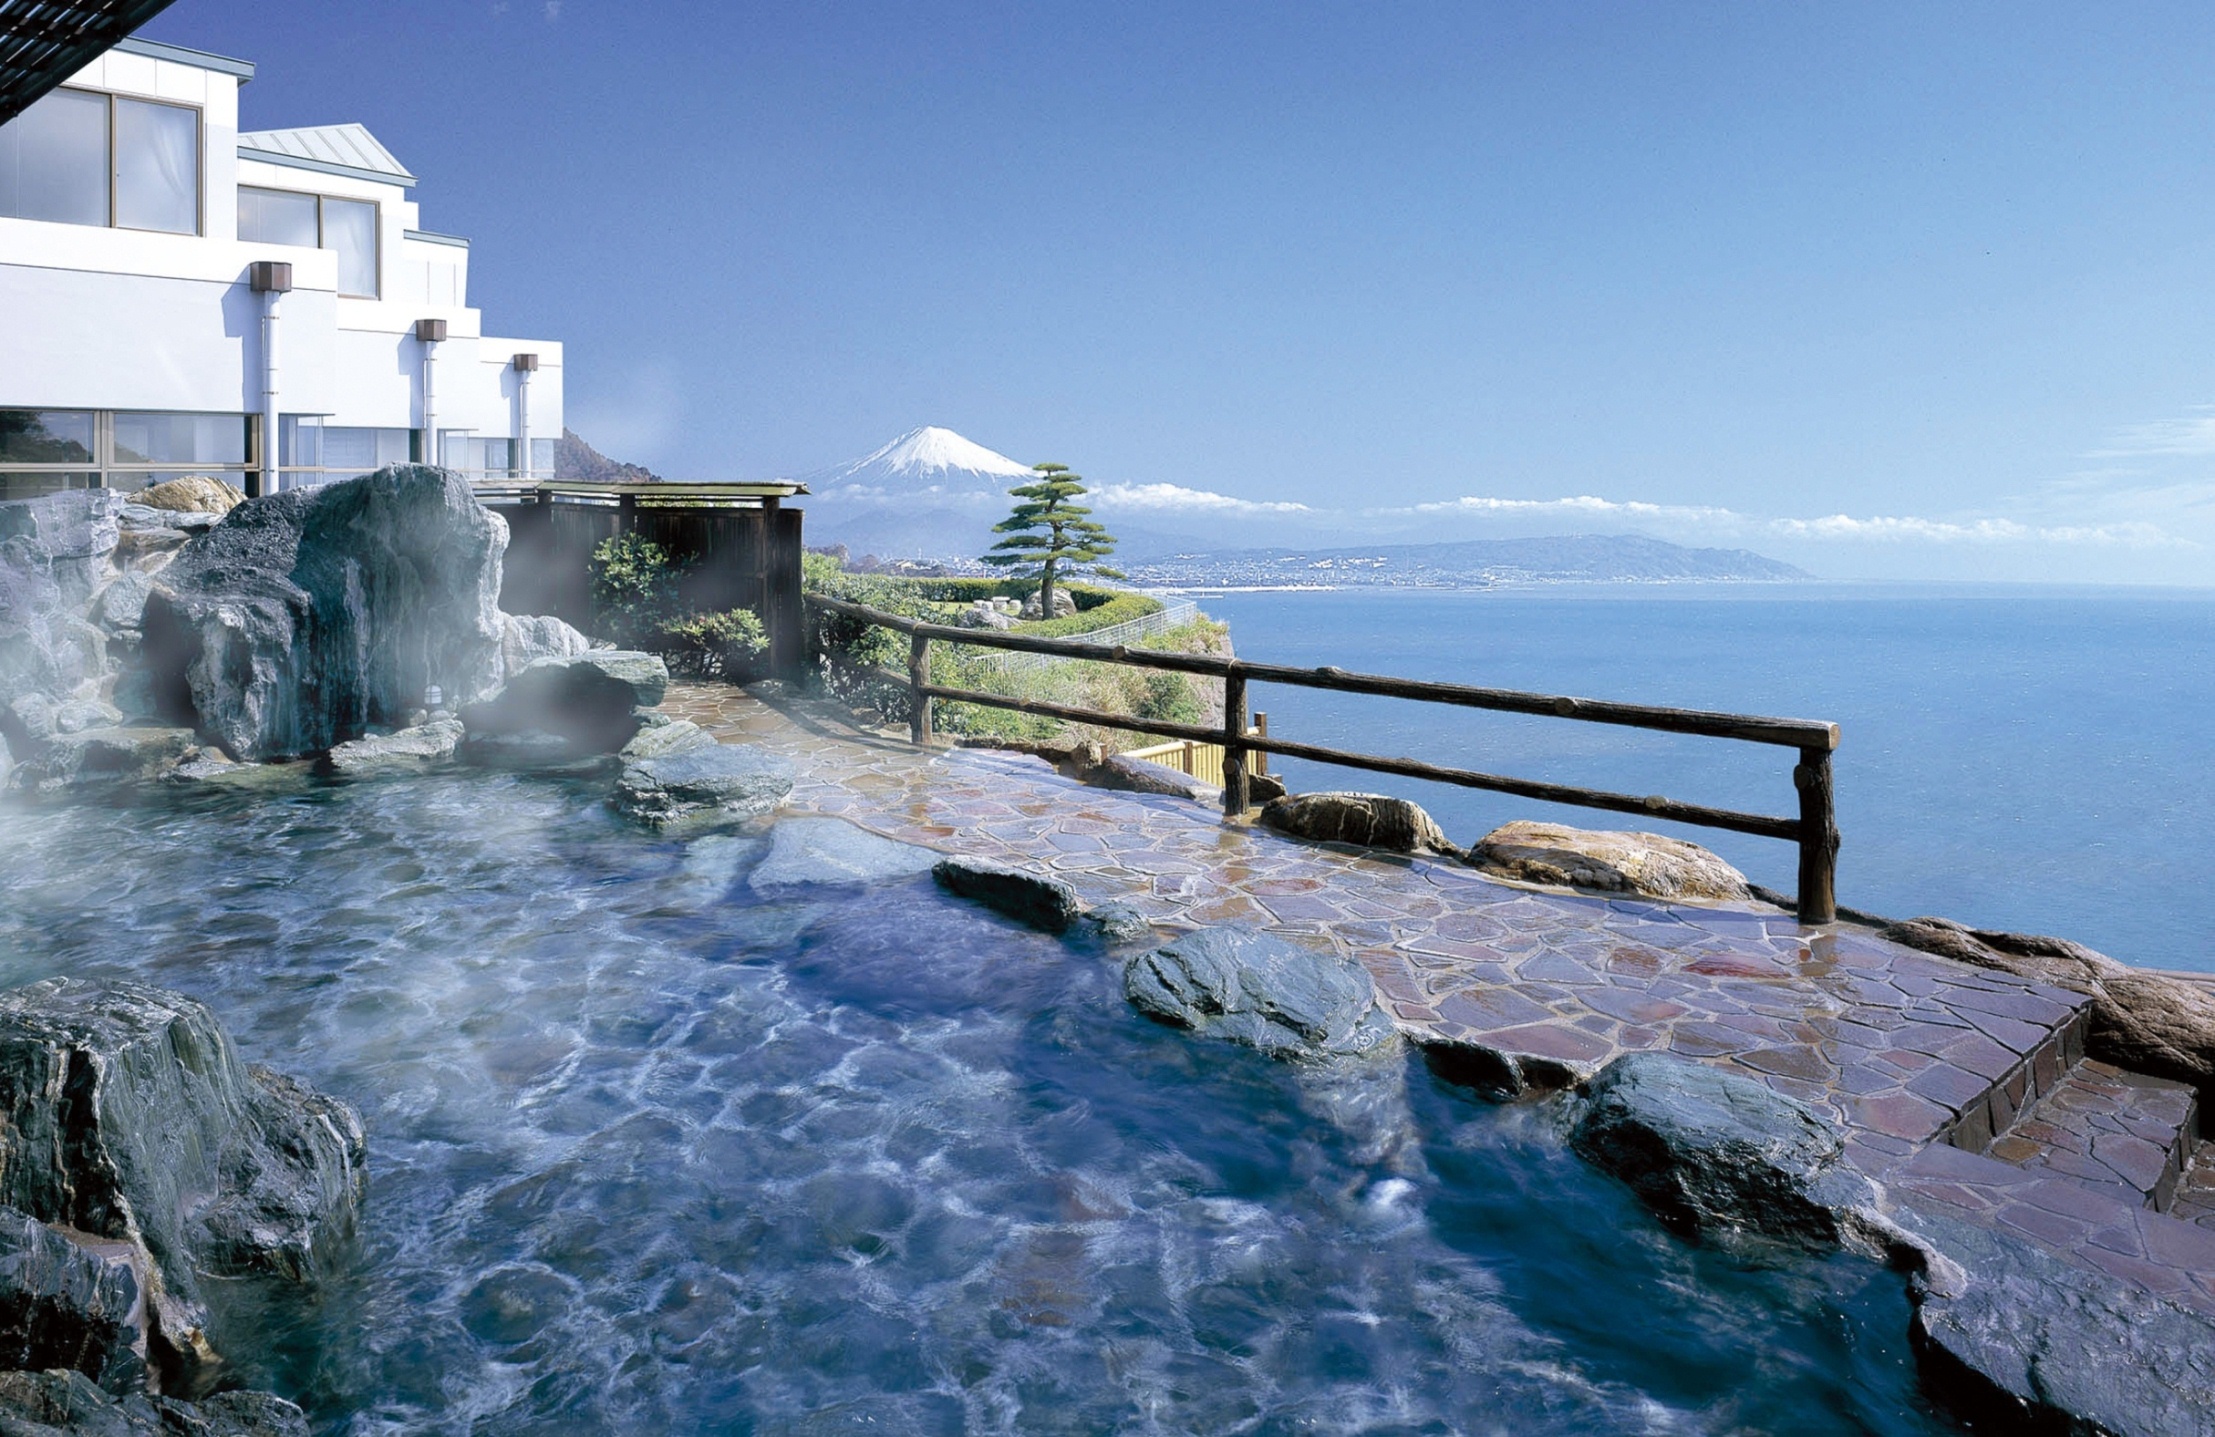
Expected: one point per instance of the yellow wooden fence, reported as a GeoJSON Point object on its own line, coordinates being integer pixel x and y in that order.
{"type": "Point", "coordinates": [1203, 761]}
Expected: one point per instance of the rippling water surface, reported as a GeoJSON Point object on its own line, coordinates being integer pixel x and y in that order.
{"type": "Point", "coordinates": [652, 1154]}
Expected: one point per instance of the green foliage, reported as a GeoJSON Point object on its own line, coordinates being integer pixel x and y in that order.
{"type": "Point", "coordinates": [634, 588]}
{"type": "Point", "coordinates": [1050, 534]}
{"type": "Point", "coordinates": [1120, 607]}
{"type": "Point", "coordinates": [1168, 698]}
{"type": "Point", "coordinates": [721, 645]}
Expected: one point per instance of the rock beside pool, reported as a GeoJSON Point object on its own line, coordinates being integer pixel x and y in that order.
{"type": "Point", "coordinates": [2018, 1341]}
{"type": "Point", "coordinates": [1369, 820]}
{"type": "Point", "coordinates": [1138, 775]}
{"type": "Point", "coordinates": [409, 750]}
{"type": "Point", "coordinates": [193, 494]}
{"type": "Point", "coordinates": [308, 617]}
{"type": "Point", "coordinates": [527, 638]}
{"type": "Point", "coordinates": [1255, 988]}
{"type": "Point", "coordinates": [660, 740]}
{"type": "Point", "coordinates": [718, 786]}
{"type": "Point", "coordinates": [67, 1404]}
{"type": "Point", "coordinates": [591, 701]}
{"type": "Point", "coordinates": [1046, 904]}
{"type": "Point", "coordinates": [1716, 1152]}
{"type": "Point", "coordinates": [2142, 1021]}
{"type": "Point", "coordinates": [1116, 924]}
{"type": "Point", "coordinates": [809, 851]}
{"type": "Point", "coordinates": [100, 757]}
{"type": "Point", "coordinates": [132, 1121]}
{"type": "Point", "coordinates": [1647, 864]}
{"type": "Point", "coordinates": [69, 1305]}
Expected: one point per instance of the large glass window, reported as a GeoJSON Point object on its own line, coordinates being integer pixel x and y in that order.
{"type": "Point", "coordinates": [360, 451]}
{"type": "Point", "coordinates": [542, 458]}
{"type": "Point", "coordinates": [157, 167]}
{"type": "Point", "coordinates": [348, 226]}
{"type": "Point", "coordinates": [54, 160]}
{"type": "Point", "coordinates": [180, 439]}
{"type": "Point", "coordinates": [278, 217]}
{"type": "Point", "coordinates": [46, 436]}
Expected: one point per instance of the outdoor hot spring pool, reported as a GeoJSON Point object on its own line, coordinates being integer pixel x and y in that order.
{"type": "Point", "coordinates": [650, 1153]}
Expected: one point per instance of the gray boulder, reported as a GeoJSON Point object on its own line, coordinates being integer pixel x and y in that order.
{"type": "Point", "coordinates": [2142, 1021]}
{"type": "Point", "coordinates": [67, 1404]}
{"type": "Point", "coordinates": [101, 757]}
{"type": "Point", "coordinates": [1116, 924]}
{"type": "Point", "coordinates": [1065, 604]}
{"type": "Point", "coordinates": [703, 789]}
{"type": "Point", "coordinates": [132, 1121]}
{"type": "Point", "coordinates": [525, 639]}
{"type": "Point", "coordinates": [121, 606]}
{"type": "Point", "coordinates": [1138, 775]}
{"type": "Point", "coordinates": [1370, 820]}
{"type": "Point", "coordinates": [1044, 903]}
{"type": "Point", "coordinates": [1647, 864]}
{"type": "Point", "coordinates": [1715, 1152]}
{"type": "Point", "coordinates": [56, 551]}
{"type": "Point", "coordinates": [67, 538]}
{"type": "Point", "coordinates": [809, 851]}
{"type": "Point", "coordinates": [2017, 1341]}
{"type": "Point", "coordinates": [1254, 988]}
{"type": "Point", "coordinates": [591, 700]}
{"type": "Point", "coordinates": [308, 617]}
{"type": "Point", "coordinates": [410, 750]}
{"type": "Point", "coordinates": [193, 496]}
{"type": "Point", "coordinates": [660, 740]}
{"type": "Point", "coordinates": [69, 1305]}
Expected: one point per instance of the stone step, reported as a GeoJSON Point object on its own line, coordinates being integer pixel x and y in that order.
{"type": "Point", "coordinates": [2108, 1129]}
{"type": "Point", "coordinates": [2195, 1200]}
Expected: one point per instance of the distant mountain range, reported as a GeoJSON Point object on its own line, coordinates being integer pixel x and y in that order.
{"type": "Point", "coordinates": [931, 495]}
{"type": "Point", "coordinates": [578, 462]}
{"type": "Point", "coordinates": [1472, 563]}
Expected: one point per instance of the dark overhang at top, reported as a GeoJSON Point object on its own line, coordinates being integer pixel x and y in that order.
{"type": "Point", "coordinates": [44, 42]}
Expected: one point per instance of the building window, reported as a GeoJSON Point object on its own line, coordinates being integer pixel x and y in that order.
{"type": "Point", "coordinates": [347, 226]}
{"type": "Point", "coordinates": [312, 452]}
{"type": "Point", "coordinates": [46, 449]}
{"type": "Point", "coordinates": [542, 458]}
{"type": "Point", "coordinates": [81, 158]}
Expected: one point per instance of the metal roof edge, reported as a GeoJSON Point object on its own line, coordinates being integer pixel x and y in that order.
{"type": "Point", "coordinates": [434, 237]}
{"type": "Point", "coordinates": [243, 70]}
{"type": "Point", "coordinates": [301, 162]}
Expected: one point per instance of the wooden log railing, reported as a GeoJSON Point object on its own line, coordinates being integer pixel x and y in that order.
{"type": "Point", "coordinates": [1814, 829]}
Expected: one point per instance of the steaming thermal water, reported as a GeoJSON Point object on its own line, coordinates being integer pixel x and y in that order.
{"type": "Point", "coordinates": [652, 1156]}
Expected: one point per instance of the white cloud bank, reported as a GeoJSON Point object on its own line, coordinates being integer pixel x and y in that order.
{"type": "Point", "coordinates": [1731, 523]}
{"type": "Point", "coordinates": [1176, 498]}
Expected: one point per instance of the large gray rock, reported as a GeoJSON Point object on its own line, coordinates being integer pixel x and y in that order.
{"type": "Point", "coordinates": [662, 740]}
{"type": "Point", "coordinates": [590, 699]}
{"type": "Point", "coordinates": [830, 851]}
{"type": "Point", "coordinates": [2141, 1021]}
{"type": "Point", "coordinates": [68, 538]}
{"type": "Point", "coordinates": [308, 617]}
{"type": "Point", "coordinates": [1254, 988]}
{"type": "Point", "coordinates": [69, 1304]}
{"type": "Point", "coordinates": [56, 552]}
{"type": "Point", "coordinates": [1138, 775]}
{"type": "Point", "coordinates": [67, 1404]}
{"type": "Point", "coordinates": [102, 756]}
{"type": "Point", "coordinates": [1043, 903]}
{"type": "Point", "coordinates": [410, 750]}
{"type": "Point", "coordinates": [130, 1119]}
{"type": "Point", "coordinates": [527, 638]}
{"type": "Point", "coordinates": [1717, 1152]}
{"type": "Point", "coordinates": [1612, 861]}
{"type": "Point", "coordinates": [121, 606]}
{"type": "Point", "coordinates": [704, 789]}
{"type": "Point", "coordinates": [2018, 1341]}
{"type": "Point", "coordinates": [1371, 820]}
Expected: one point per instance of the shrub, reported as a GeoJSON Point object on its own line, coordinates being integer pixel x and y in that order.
{"type": "Point", "coordinates": [721, 645]}
{"type": "Point", "coordinates": [634, 588]}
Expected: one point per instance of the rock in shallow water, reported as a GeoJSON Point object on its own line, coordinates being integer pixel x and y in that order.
{"type": "Point", "coordinates": [132, 1120]}
{"type": "Point", "coordinates": [805, 851]}
{"type": "Point", "coordinates": [1254, 988]}
{"type": "Point", "coordinates": [1046, 904]}
{"type": "Point", "coordinates": [67, 1404]}
{"type": "Point", "coordinates": [410, 750]}
{"type": "Point", "coordinates": [102, 756]}
{"type": "Point", "coordinates": [591, 701]}
{"type": "Point", "coordinates": [703, 789]}
{"type": "Point", "coordinates": [1715, 1152]}
{"type": "Point", "coordinates": [1646, 864]}
{"type": "Point", "coordinates": [63, 1304]}
{"type": "Point", "coordinates": [310, 616]}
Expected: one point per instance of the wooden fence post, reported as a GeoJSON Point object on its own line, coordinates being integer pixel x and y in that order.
{"type": "Point", "coordinates": [1235, 794]}
{"type": "Point", "coordinates": [919, 703]}
{"type": "Point", "coordinates": [1818, 838]}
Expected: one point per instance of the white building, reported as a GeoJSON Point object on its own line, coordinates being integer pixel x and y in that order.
{"type": "Point", "coordinates": [172, 292]}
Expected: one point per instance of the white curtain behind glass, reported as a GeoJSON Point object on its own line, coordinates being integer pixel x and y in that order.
{"type": "Point", "coordinates": [157, 167]}
{"type": "Point", "coordinates": [54, 160]}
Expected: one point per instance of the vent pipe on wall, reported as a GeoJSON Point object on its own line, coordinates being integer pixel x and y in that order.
{"type": "Point", "coordinates": [526, 365]}
{"type": "Point", "coordinates": [428, 332]}
{"type": "Point", "coordinates": [269, 278]}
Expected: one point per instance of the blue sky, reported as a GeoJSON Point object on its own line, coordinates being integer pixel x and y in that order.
{"type": "Point", "coordinates": [1884, 289]}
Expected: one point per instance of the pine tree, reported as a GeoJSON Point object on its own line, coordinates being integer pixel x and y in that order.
{"type": "Point", "coordinates": [1049, 535]}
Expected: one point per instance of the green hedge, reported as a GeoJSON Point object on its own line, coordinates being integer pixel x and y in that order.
{"type": "Point", "coordinates": [1120, 607]}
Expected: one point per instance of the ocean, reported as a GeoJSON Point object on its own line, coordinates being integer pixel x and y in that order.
{"type": "Point", "coordinates": [2021, 757]}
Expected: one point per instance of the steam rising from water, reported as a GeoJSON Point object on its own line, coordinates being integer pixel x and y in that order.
{"type": "Point", "coordinates": [650, 1154]}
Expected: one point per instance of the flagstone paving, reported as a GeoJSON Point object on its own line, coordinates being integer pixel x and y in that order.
{"type": "Point", "coordinates": [1922, 1062]}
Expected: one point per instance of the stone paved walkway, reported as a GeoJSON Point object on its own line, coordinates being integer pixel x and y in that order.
{"type": "Point", "coordinates": [1920, 1060]}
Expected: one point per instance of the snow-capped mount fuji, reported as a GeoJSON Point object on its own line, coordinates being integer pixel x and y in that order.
{"type": "Point", "coordinates": [928, 494]}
